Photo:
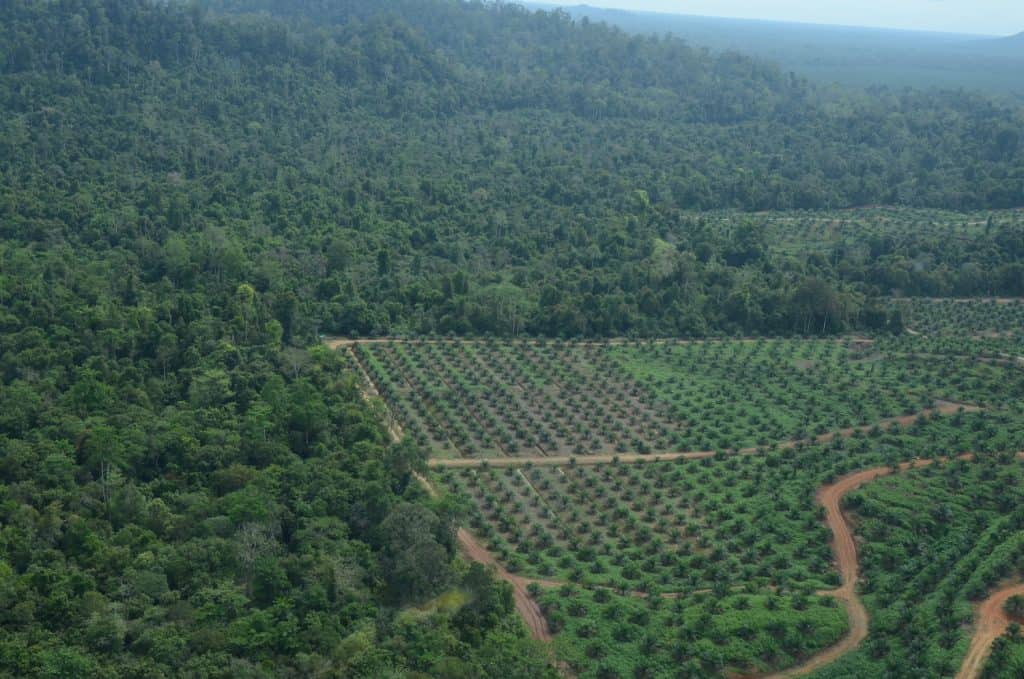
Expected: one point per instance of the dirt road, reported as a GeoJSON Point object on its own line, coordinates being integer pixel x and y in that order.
{"type": "Point", "coordinates": [991, 620]}
{"type": "Point", "coordinates": [337, 342]}
{"type": "Point", "coordinates": [525, 605]}
{"type": "Point", "coordinates": [845, 550]}
{"type": "Point", "coordinates": [990, 624]}
{"type": "Point", "coordinates": [940, 408]}
{"type": "Point", "coordinates": [528, 609]}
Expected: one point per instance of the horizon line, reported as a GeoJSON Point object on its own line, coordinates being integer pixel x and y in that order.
{"type": "Point", "coordinates": [818, 24]}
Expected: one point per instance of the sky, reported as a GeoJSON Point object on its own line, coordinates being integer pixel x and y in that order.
{"type": "Point", "coordinates": [984, 17]}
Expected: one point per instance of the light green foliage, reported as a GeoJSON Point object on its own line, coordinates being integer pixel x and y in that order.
{"type": "Point", "coordinates": [934, 541]}
{"type": "Point", "coordinates": [525, 398]}
{"type": "Point", "coordinates": [710, 531]}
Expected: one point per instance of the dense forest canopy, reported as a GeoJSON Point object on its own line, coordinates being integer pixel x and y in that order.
{"type": "Point", "coordinates": [448, 166]}
{"type": "Point", "coordinates": [847, 55]}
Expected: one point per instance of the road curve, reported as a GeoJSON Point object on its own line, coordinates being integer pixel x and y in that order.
{"type": "Point", "coordinates": [528, 609]}
{"type": "Point", "coordinates": [991, 623]}
{"type": "Point", "coordinates": [845, 549]}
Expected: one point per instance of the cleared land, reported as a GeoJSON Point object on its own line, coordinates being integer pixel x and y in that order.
{"type": "Point", "coordinates": [530, 400]}
{"type": "Point", "coordinates": [655, 505]}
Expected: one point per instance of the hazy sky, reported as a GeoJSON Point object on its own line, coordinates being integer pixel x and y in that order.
{"type": "Point", "coordinates": [991, 17]}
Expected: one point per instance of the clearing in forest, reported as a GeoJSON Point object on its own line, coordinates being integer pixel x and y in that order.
{"type": "Point", "coordinates": [591, 483]}
{"type": "Point", "coordinates": [531, 399]}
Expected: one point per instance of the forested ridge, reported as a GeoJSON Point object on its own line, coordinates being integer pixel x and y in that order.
{"type": "Point", "coordinates": [190, 194]}
{"type": "Point", "coordinates": [436, 166]}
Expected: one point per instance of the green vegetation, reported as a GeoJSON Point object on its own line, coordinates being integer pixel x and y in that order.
{"type": "Point", "coordinates": [515, 398]}
{"type": "Point", "coordinates": [182, 493]}
{"type": "Point", "coordinates": [964, 318]}
{"type": "Point", "coordinates": [699, 636]}
{"type": "Point", "coordinates": [861, 57]}
{"type": "Point", "coordinates": [661, 526]}
{"type": "Point", "coordinates": [192, 193]}
{"type": "Point", "coordinates": [1007, 659]}
{"type": "Point", "coordinates": [662, 539]}
{"type": "Point", "coordinates": [432, 166]}
{"type": "Point", "coordinates": [738, 394]}
{"type": "Point", "coordinates": [935, 539]}
{"type": "Point", "coordinates": [1014, 607]}
{"type": "Point", "coordinates": [522, 398]}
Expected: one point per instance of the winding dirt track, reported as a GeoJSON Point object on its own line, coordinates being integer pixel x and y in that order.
{"type": "Point", "coordinates": [527, 607]}
{"type": "Point", "coordinates": [845, 550]}
{"type": "Point", "coordinates": [991, 624]}
{"type": "Point", "coordinates": [991, 621]}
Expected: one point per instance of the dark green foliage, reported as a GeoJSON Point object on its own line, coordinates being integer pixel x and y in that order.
{"type": "Point", "coordinates": [471, 167]}
{"type": "Point", "coordinates": [187, 199]}
{"type": "Point", "coordinates": [226, 508]}
{"type": "Point", "coordinates": [1007, 658]}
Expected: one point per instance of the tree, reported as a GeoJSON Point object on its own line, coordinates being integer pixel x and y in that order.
{"type": "Point", "coordinates": [1014, 607]}
{"type": "Point", "coordinates": [414, 563]}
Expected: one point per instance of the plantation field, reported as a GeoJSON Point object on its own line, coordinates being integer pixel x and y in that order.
{"type": "Point", "coordinates": [482, 399]}
{"type": "Point", "coordinates": [861, 233]}
{"type": "Point", "coordinates": [657, 556]}
{"type": "Point", "coordinates": [964, 319]}
{"type": "Point", "coordinates": [872, 232]}
{"type": "Point", "coordinates": [488, 399]}
{"type": "Point", "coordinates": [934, 541]}
{"type": "Point", "coordinates": [602, 633]}
{"type": "Point", "coordinates": [650, 527]}
{"type": "Point", "coordinates": [656, 504]}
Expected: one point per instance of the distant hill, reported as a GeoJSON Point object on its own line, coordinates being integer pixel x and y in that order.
{"type": "Point", "coordinates": [1014, 43]}
{"type": "Point", "coordinates": [841, 54]}
{"type": "Point", "coordinates": [1005, 50]}
{"type": "Point", "coordinates": [432, 164]}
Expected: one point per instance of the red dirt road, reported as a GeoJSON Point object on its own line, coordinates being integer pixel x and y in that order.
{"type": "Point", "coordinates": [845, 550]}
{"type": "Point", "coordinates": [991, 620]}
{"type": "Point", "coordinates": [527, 607]}
{"type": "Point", "coordinates": [991, 623]}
